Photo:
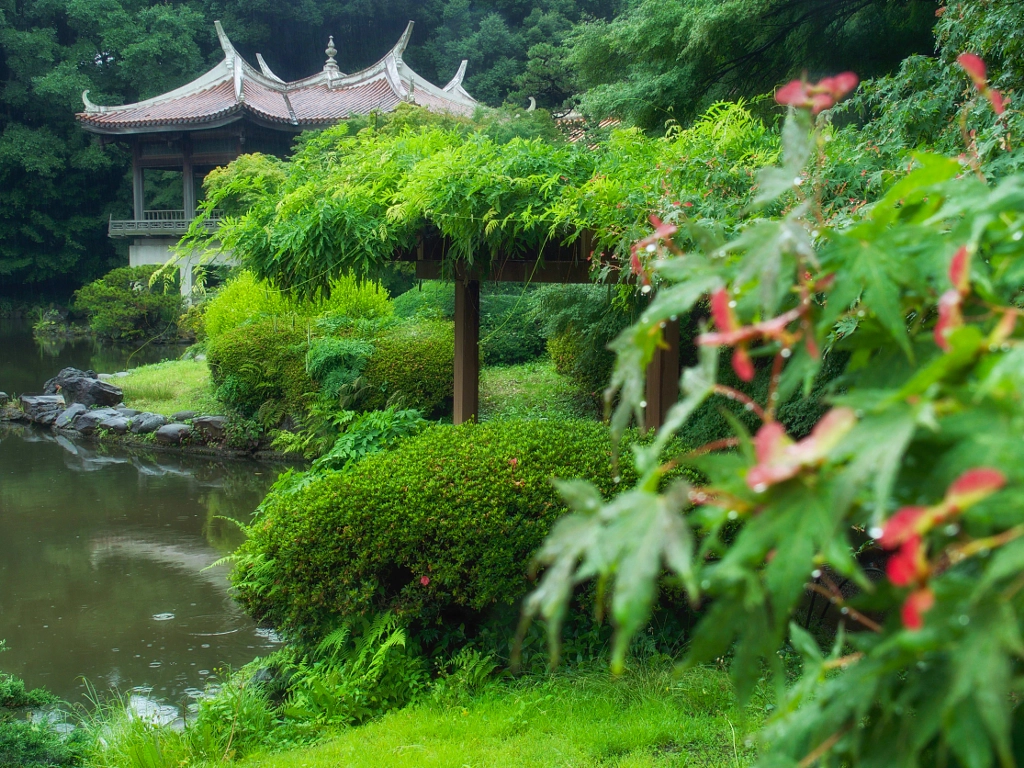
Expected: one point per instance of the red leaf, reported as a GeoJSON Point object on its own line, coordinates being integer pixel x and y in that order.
{"type": "Point", "coordinates": [721, 311]}
{"type": "Point", "coordinates": [917, 604]}
{"type": "Point", "coordinates": [424, 580]}
{"type": "Point", "coordinates": [960, 271]}
{"type": "Point", "coordinates": [974, 67]}
{"type": "Point", "coordinates": [949, 318]}
{"type": "Point", "coordinates": [908, 564]}
{"type": "Point", "coordinates": [742, 364]}
{"type": "Point", "coordinates": [901, 526]}
{"type": "Point", "coordinates": [996, 99]}
{"type": "Point", "coordinates": [973, 486]}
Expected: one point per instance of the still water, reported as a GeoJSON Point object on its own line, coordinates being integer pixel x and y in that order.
{"type": "Point", "coordinates": [105, 555]}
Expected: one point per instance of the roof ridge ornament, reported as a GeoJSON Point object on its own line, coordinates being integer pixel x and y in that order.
{"type": "Point", "coordinates": [267, 71]}
{"type": "Point", "coordinates": [331, 66]}
{"type": "Point", "coordinates": [91, 108]}
{"type": "Point", "coordinates": [225, 42]}
{"type": "Point", "coordinates": [239, 74]}
{"type": "Point", "coordinates": [403, 41]}
{"type": "Point", "coordinates": [457, 80]}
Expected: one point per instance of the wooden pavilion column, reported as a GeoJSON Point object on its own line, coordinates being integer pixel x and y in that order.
{"type": "Point", "coordinates": [188, 179]}
{"type": "Point", "coordinates": [138, 183]}
{"type": "Point", "coordinates": [467, 350]}
{"type": "Point", "coordinates": [663, 378]}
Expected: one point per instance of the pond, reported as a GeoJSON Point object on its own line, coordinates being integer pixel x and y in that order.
{"type": "Point", "coordinates": [106, 555]}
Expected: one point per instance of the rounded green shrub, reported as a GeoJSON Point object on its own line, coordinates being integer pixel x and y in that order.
{"type": "Point", "coordinates": [449, 520]}
{"type": "Point", "coordinates": [261, 366]}
{"type": "Point", "coordinates": [123, 305]}
{"type": "Point", "coordinates": [245, 299]}
{"type": "Point", "coordinates": [412, 365]}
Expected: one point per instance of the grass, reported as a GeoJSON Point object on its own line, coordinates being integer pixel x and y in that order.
{"type": "Point", "coordinates": [531, 390]}
{"type": "Point", "coordinates": [648, 719]}
{"type": "Point", "coordinates": [170, 387]}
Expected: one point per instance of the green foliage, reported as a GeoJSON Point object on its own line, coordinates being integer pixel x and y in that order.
{"type": "Point", "coordinates": [369, 433]}
{"type": "Point", "coordinates": [123, 305]}
{"type": "Point", "coordinates": [412, 366]}
{"type": "Point", "coordinates": [336, 362]}
{"type": "Point", "coordinates": [28, 744]}
{"type": "Point", "coordinates": [245, 299]}
{"type": "Point", "coordinates": [361, 670]}
{"type": "Point", "coordinates": [261, 369]}
{"type": "Point", "coordinates": [350, 202]}
{"type": "Point", "coordinates": [920, 291]}
{"type": "Point", "coordinates": [446, 521]}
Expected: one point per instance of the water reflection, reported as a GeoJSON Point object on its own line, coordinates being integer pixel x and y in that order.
{"type": "Point", "coordinates": [25, 363]}
{"type": "Point", "coordinates": [105, 566]}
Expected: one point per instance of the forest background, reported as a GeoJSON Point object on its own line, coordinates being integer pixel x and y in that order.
{"type": "Point", "coordinates": [648, 62]}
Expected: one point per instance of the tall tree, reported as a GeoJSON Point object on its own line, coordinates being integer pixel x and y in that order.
{"type": "Point", "coordinates": [659, 60]}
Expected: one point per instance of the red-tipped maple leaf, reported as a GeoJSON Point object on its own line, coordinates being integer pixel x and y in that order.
{"type": "Point", "coordinates": [779, 458]}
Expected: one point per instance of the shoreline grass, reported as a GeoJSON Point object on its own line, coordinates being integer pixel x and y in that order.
{"type": "Point", "coordinates": [169, 387]}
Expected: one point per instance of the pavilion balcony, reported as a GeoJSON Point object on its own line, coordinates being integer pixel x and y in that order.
{"type": "Point", "coordinates": [157, 223]}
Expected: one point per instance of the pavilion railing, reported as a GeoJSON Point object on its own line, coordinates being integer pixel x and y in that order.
{"type": "Point", "coordinates": [157, 223]}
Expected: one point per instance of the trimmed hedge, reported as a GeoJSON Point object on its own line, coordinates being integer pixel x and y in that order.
{"type": "Point", "coordinates": [449, 520]}
{"type": "Point", "coordinates": [262, 363]}
{"type": "Point", "coordinates": [412, 365]}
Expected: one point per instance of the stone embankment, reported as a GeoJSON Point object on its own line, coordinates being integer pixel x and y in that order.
{"type": "Point", "coordinates": [88, 404]}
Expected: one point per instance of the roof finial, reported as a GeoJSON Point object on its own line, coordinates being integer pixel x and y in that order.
{"type": "Point", "coordinates": [331, 52]}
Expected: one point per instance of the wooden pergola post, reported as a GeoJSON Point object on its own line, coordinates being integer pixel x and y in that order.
{"type": "Point", "coordinates": [467, 350]}
{"type": "Point", "coordinates": [188, 180]}
{"type": "Point", "coordinates": [663, 377]}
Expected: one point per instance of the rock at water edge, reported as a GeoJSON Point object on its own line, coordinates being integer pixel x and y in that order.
{"type": "Point", "coordinates": [67, 419]}
{"type": "Point", "coordinates": [42, 409]}
{"type": "Point", "coordinates": [183, 416]}
{"type": "Point", "coordinates": [173, 434]}
{"type": "Point", "coordinates": [211, 427]}
{"type": "Point", "coordinates": [89, 422]}
{"type": "Point", "coordinates": [90, 392]}
{"type": "Point", "coordinates": [117, 424]}
{"type": "Point", "coordinates": [145, 423]}
{"type": "Point", "coordinates": [54, 385]}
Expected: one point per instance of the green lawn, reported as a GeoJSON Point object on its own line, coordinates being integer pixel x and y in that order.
{"type": "Point", "coordinates": [166, 388]}
{"type": "Point", "coordinates": [646, 720]}
{"type": "Point", "coordinates": [532, 390]}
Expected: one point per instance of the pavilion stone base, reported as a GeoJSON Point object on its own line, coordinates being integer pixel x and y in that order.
{"type": "Point", "coordinates": [160, 250]}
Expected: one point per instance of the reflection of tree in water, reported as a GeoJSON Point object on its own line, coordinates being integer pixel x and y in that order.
{"type": "Point", "coordinates": [220, 528]}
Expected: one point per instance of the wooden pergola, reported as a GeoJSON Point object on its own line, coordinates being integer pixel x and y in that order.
{"type": "Point", "coordinates": [554, 263]}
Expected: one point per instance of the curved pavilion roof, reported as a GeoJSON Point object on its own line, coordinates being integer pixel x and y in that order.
{"type": "Point", "coordinates": [233, 89]}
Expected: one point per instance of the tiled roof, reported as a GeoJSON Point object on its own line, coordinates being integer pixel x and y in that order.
{"type": "Point", "coordinates": [233, 88]}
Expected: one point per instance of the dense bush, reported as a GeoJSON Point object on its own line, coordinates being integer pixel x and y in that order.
{"type": "Point", "coordinates": [25, 744]}
{"type": "Point", "coordinates": [579, 321]}
{"type": "Point", "coordinates": [262, 366]}
{"type": "Point", "coordinates": [245, 299]}
{"type": "Point", "coordinates": [510, 330]}
{"type": "Point", "coordinates": [448, 519]}
{"type": "Point", "coordinates": [413, 365]}
{"type": "Point", "coordinates": [123, 305]}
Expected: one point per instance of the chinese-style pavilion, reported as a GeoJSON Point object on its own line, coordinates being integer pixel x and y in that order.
{"type": "Point", "coordinates": [234, 109]}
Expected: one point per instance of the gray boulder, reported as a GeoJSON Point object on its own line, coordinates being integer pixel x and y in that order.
{"type": "Point", "coordinates": [89, 422]}
{"type": "Point", "coordinates": [145, 423]}
{"type": "Point", "coordinates": [90, 392]}
{"type": "Point", "coordinates": [183, 416]}
{"type": "Point", "coordinates": [67, 419]}
{"type": "Point", "coordinates": [116, 424]}
{"type": "Point", "coordinates": [173, 434]}
{"type": "Point", "coordinates": [127, 412]}
{"type": "Point", "coordinates": [54, 385]}
{"type": "Point", "coordinates": [78, 386]}
{"type": "Point", "coordinates": [211, 427]}
{"type": "Point", "coordinates": [42, 409]}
